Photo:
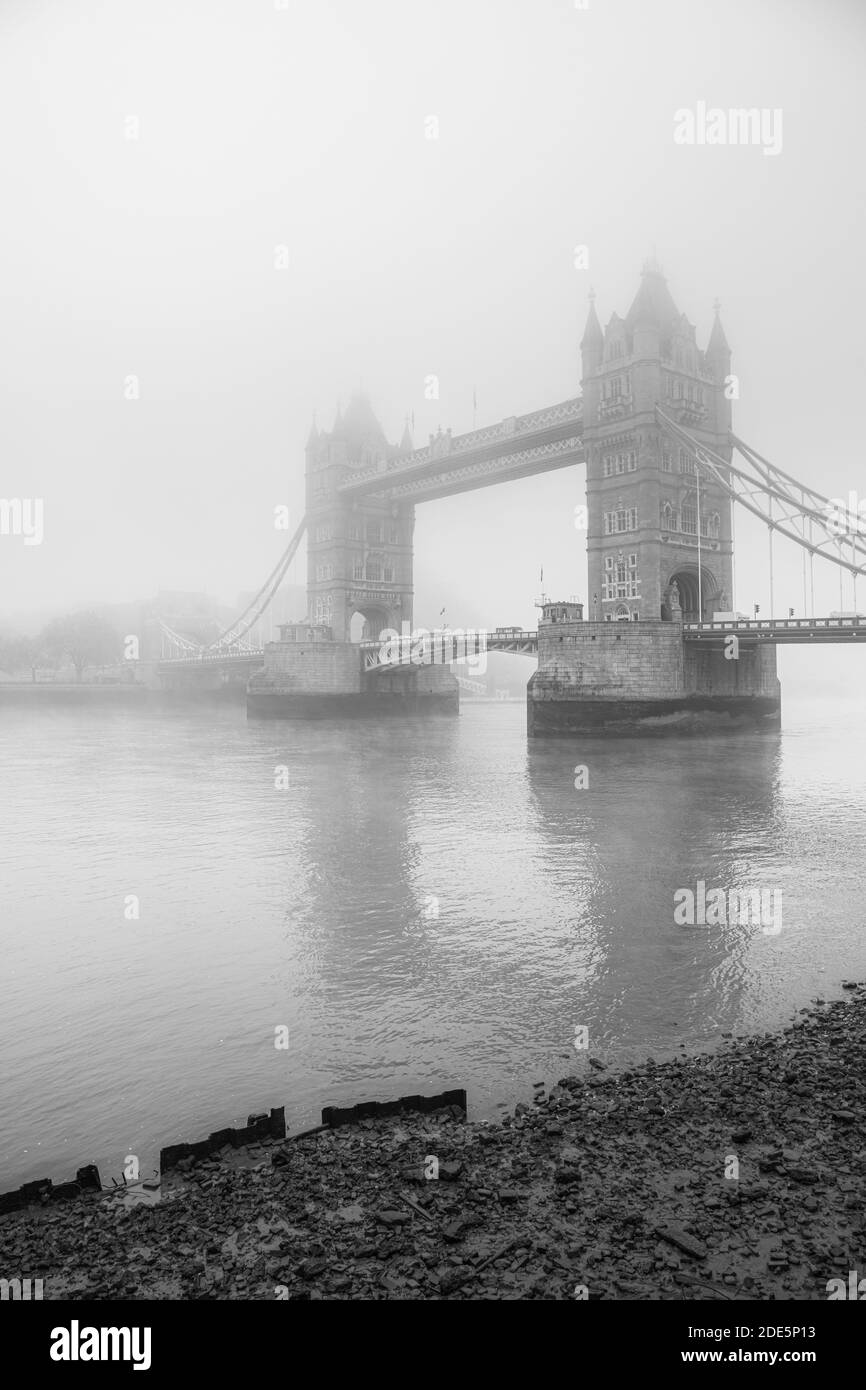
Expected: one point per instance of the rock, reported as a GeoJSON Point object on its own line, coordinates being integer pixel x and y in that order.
{"type": "Point", "coordinates": [674, 1235]}
{"type": "Point", "coordinates": [508, 1196]}
{"type": "Point", "coordinates": [393, 1218]}
{"type": "Point", "coordinates": [312, 1268]}
{"type": "Point", "coordinates": [450, 1172]}
{"type": "Point", "coordinates": [741, 1136]}
{"type": "Point", "coordinates": [454, 1231]}
{"type": "Point", "coordinates": [351, 1215]}
{"type": "Point", "coordinates": [803, 1175]}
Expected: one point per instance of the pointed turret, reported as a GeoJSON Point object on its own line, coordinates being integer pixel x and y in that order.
{"type": "Point", "coordinates": [653, 305]}
{"type": "Point", "coordinates": [313, 439]}
{"type": "Point", "coordinates": [592, 342]}
{"type": "Point", "coordinates": [717, 347]}
{"type": "Point", "coordinates": [406, 445]}
{"type": "Point", "coordinates": [338, 421]}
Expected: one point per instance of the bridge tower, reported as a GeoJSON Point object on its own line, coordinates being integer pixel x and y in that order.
{"type": "Point", "coordinates": [642, 491]}
{"type": "Point", "coordinates": [359, 550]}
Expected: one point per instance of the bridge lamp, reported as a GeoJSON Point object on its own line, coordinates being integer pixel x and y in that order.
{"type": "Point", "coordinates": [790, 612]}
{"type": "Point", "coordinates": [757, 609]}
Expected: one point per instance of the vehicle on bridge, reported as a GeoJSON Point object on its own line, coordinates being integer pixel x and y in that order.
{"type": "Point", "coordinates": [508, 632]}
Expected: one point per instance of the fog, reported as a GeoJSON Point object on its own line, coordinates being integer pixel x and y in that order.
{"type": "Point", "coordinates": [156, 157]}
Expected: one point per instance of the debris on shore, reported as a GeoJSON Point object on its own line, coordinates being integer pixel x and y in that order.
{"type": "Point", "coordinates": [735, 1175]}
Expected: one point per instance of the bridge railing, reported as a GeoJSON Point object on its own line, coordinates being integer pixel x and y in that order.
{"type": "Point", "coordinates": [775, 624]}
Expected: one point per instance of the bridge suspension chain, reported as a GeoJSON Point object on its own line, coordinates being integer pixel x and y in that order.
{"type": "Point", "coordinates": [748, 486]}
{"type": "Point", "coordinates": [232, 635]}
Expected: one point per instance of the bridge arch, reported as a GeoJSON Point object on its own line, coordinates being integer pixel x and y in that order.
{"type": "Point", "coordinates": [686, 579]}
{"type": "Point", "coordinates": [368, 623]}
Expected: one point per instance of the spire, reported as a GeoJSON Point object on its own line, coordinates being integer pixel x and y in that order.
{"type": "Point", "coordinates": [718, 343]}
{"type": "Point", "coordinates": [406, 445]}
{"type": "Point", "coordinates": [653, 304]}
{"type": "Point", "coordinates": [314, 433]}
{"type": "Point", "coordinates": [592, 334]}
{"type": "Point", "coordinates": [338, 420]}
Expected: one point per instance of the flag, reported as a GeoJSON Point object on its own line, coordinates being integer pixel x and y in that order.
{"type": "Point", "coordinates": [441, 611]}
{"type": "Point", "coordinates": [542, 575]}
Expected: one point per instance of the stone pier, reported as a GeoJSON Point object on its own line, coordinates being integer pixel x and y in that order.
{"type": "Point", "coordinates": [308, 675]}
{"type": "Point", "coordinates": [643, 678]}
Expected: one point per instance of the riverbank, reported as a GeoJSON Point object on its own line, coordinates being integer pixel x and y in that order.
{"type": "Point", "coordinates": [738, 1175]}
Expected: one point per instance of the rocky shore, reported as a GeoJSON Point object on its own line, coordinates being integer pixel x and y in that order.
{"type": "Point", "coordinates": [738, 1175]}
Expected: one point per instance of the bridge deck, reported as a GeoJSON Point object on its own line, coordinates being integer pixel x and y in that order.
{"type": "Point", "coordinates": [517, 447]}
{"type": "Point", "coordinates": [780, 631]}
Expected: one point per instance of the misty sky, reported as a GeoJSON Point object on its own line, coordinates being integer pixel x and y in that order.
{"type": "Point", "coordinates": [305, 127]}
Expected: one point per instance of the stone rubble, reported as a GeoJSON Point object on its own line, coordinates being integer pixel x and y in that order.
{"type": "Point", "coordinates": [621, 1185]}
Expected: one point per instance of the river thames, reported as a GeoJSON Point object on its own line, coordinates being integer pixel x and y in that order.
{"type": "Point", "coordinates": [421, 904]}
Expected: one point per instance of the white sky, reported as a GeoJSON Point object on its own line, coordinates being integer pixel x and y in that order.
{"type": "Point", "coordinates": [306, 127]}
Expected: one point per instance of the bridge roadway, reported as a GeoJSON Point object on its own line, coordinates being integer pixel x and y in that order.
{"type": "Point", "coordinates": [778, 631]}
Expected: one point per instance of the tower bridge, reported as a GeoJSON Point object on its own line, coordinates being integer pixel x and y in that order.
{"type": "Point", "coordinates": [652, 647]}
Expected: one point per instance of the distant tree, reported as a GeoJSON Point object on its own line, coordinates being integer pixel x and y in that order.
{"type": "Point", "coordinates": [19, 653]}
{"type": "Point", "coordinates": [85, 638]}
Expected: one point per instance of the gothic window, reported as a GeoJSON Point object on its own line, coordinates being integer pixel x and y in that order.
{"type": "Point", "coordinates": [374, 533]}
{"type": "Point", "coordinates": [393, 535]}
{"type": "Point", "coordinates": [388, 573]}
{"type": "Point", "coordinates": [623, 519]}
{"type": "Point", "coordinates": [687, 464]}
{"type": "Point", "coordinates": [715, 525]}
{"type": "Point", "coordinates": [374, 570]}
{"type": "Point", "coordinates": [354, 531]}
{"type": "Point", "coordinates": [689, 520]}
{"type": "Point", "coordinates": [323, 533]}
{"type": "Point", "coordinates": [620, 577]}
{"type": "Point", "coordinates": [358, 569]}
{"type": "Point", "coordinates": [324, 572]}
{"type": "Point", "coordinates": [622, 614]}
{"type": "Point", "coordinates": [667, 462]}
{"type": "Point", "coordinates": [667, 517]}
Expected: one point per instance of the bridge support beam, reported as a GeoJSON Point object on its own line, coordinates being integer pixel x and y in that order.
{"type": "Point", "coordinates": [642, 678]}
